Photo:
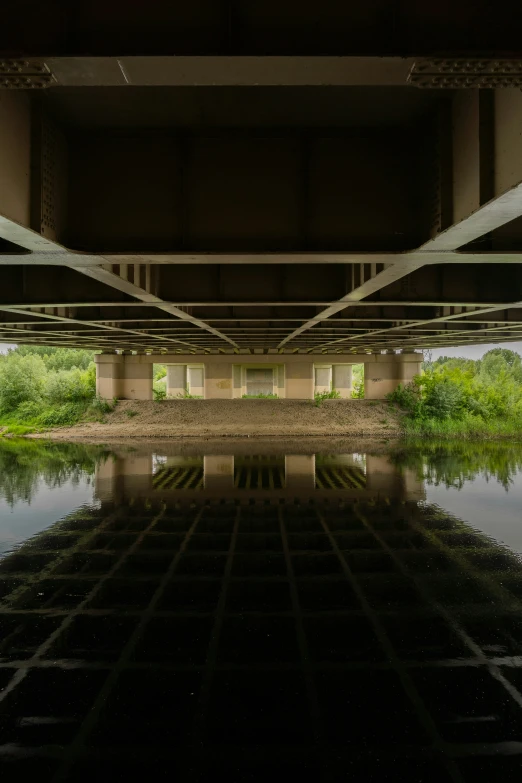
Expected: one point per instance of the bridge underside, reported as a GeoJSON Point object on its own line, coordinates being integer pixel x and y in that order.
{"type": "Point", "coordinates": [250, 182]}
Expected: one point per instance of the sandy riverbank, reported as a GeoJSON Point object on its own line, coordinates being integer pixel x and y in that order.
{"type": "Point", "coordinates": [239, 418]}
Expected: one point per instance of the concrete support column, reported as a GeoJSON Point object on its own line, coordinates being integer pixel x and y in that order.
{"type": "Point", "coordinates": [218, 381]}
{"type": "Point", "coordinates": [109, 370]}
{"type": "Point", "coordinates": [300, 471]}
{"type": "Point", "coordinates": [387, 371]}
{"type": "Point", "coordinates": [342, 379]}
{"type": "Point", "coordinates": [176, 380]}
{"type": "Point", "coordinates": [218, 471]}
{"type": "Point", "coordinates": [300, 380]}
{"type": "Point", "coordinates": [123, 376]}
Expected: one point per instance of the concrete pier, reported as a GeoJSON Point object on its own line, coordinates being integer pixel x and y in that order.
{"type": "Point", "coordinates": [123, 377]}
{"type": "Point", "coordinates": [294, 377]}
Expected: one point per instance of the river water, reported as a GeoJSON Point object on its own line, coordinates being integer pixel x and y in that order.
{"type": "Point", "coordinates": [241, 610]}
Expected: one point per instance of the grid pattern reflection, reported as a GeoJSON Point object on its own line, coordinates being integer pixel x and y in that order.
{"type": "Point", "coordinates": [330, 641]}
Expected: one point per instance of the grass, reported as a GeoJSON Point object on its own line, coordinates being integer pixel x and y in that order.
{"type": "Point", "coordinates": [260, 396]}
{"type": "Point", "coordinates": [38, 417]}
{"type": "Point", "coordinates": [160, 394]}
{"type": "Point", "coordinates": [470, 427]}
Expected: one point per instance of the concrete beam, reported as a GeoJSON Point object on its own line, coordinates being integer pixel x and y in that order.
{"type": "Point", "coordinates": [52, 254]}
{"type": "Point", "coordinates": [223, 360]}
{"type": "Point", "coordinates": [237, 71]}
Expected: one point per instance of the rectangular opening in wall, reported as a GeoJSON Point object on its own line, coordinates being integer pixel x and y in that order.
{"type": "Point", "coordinates": [358, 381]}
{"type": "Point", "coordinates": [323, 379]}
{"type": "Point", "coordinates": [195, 381]}
{"type": "Point", "coordinates": [259, 382]}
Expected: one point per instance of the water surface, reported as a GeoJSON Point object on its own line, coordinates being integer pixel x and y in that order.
{"type": "Point", "coordinates": [251, 611]}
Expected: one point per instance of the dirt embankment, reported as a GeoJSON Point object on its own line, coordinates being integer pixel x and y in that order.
{"type": "Point", "coordinates": [240, 418]}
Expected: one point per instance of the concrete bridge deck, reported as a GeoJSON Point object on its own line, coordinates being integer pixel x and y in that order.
{"type": "Point", "coordinates": [259, 182]}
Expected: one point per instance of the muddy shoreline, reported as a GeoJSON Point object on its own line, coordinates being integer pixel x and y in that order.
{"type": "Point", "coordinates": [200, 420]}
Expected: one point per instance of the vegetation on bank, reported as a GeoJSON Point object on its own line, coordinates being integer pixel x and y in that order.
{"type": "Point", "coordinates": [44, 387]}
{"type": "Point", "coordinates": [260, 396]}
{"type": "Point", "coordinates": [463, 398]}
{"type": "Point", "coordinates": [26, 463]}
{"type": "Point", "coordinates": [453, 463]}
{"type": "Point", "coordinates": [320, 397]}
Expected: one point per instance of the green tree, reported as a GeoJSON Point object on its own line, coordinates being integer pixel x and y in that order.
{"type": "Point", "coordinates": [22, 379]}
{"type": "Point", "coordinates": [56, 358]}
{"type": "Point", "coordinates": [501, 360]}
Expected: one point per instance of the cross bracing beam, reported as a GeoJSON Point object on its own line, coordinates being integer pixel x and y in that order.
{"type": "Point", "coordinates": [490, 216]}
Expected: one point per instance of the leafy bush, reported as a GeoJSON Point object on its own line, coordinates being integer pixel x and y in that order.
{"type": "Point", "coordinates": [159, 390]}
{"type": "Point", "coordinates": [22, 379]}
{"type": "Point", "coordinates": [61, 415]}
{"type": "Point", "coordinates": [407, 397]}
{"type": "Point", "coordinates": [101, 406]}
{"type": "Point", "coordinates": [71, 385]}
{"type": "Point", "coordinates": [320, 397]}
{"type": "Point", "coordinates": [358, 390]}
{"type": "Point", "coordinates": [29, 410]}
{"type": "Point", "coordinates": [461, 390]}
{"type": "Point", "coordinates": [444, 399]}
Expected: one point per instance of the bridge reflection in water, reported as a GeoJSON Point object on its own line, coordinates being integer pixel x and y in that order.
{"type": "Point", "coordinates": [241, 616]}
{"type": "Point", "coordinates": [284, 478]}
